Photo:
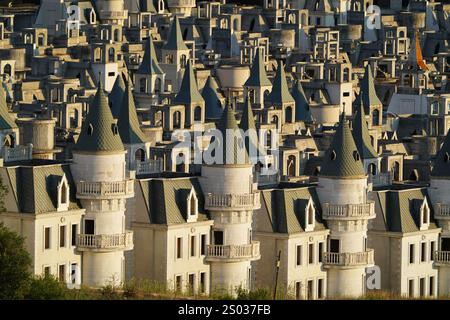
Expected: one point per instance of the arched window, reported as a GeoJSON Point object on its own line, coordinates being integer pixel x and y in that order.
{"type": "Point", "coordinates": [372, 169]}
{"type": "Point", "coordinates": [198, 113]}
{"type": "Point", "coordinates": [176, 120]}
{"type": "Point", "coordinates": [8, 141]}
{"type": "Point", "coordinates": [181, 162]}
{"type": "Point", "coordinates": [114, 129]}
{"type": "Point", "coordinates": [288, 115]}
{"type": "Point", "coordinates": [139, 155]}
{"type": "Point", "coordinates": [116, 35]}
{"type": "Point", "coordinates": [275, 120]}
{"type": "Point", "coordinates": [90, 130]}
{"type": "Point", "coordinates": [236, 25]}
{"type": "Point", "coordinates": [183, 60]}
{"type": "Point", "coordinates": [143, 85]}
{"type": "Point", "coordinates": [310, 214]}
{"type": "Point", "coordinates": [98, 54]}
{"type": "Point", "coordinates": [158, 88]}
{"type": "Point", "coordinates": [111, 55]}
{"type": "Point", "coordinates": [375, 117]}
{"type": "Point", "coordinates": [346, 76]}
{"type": "Point", "coordinates": [7, 69]}
{"type": "Point", "coordinates": [269, 138]}
{"type": "Point", "coordinates": [64, 192]}
{"type": "Point", "coordinates": [41, 39]}
{"type": "Point", "coordinates": [291, 166]}
{"type": "Point", "coordinates": [396, 170]}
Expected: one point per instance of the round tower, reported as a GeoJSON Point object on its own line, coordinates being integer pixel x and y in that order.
{"type": "Point", "coordinates": [181, 7]}
{"type": "Point", "coordinates": [342, 191]}
{"type": "Point", "coordinates": [440, 199]}
{"type": "Point", "coordinates": [98, 169]}
{"type": "Point", "coordinates": [111, 11]}
{"type": "Point", "coordinates": [230, 198]}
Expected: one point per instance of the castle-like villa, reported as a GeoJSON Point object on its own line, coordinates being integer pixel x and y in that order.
{"type": "Point", "coordinates": [210, 146]}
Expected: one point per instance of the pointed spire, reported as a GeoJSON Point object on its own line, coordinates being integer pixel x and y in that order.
{"type": "Point", "coordinates": [441, 166]}
{"type": "Point", "coordinates": [368, 92]}
{"type": "Point", "coordinates": [302, 111]}
{"type": "Point", "coordinates": [258, 76]}
{"type": "Point", "coordinates": [99, 132]}
{"type": "Point", "coordinates": [361, 134]}
{"type": "Point", "coordinates": [280, 92]}
{"type": "Point", "coordinates": [116, 96]}
{"type": "Point", "coordinates": [415, 54]}
{"type": "Point", "coordinates": [213, 104]}
{"type": "Point", "coordinates": [149, 63]}
{"type": "Point", "coordinates": [175, 40]}
{"type": "Point", "coordinates": [129, 128]}
{"type": "Point", "coordinates": [342, 159]}
{"type": "Point", "coordinates": [6, 120]}
{"type": "Point", "coordinates": [248, 126]}
{"type": "Point", "coordinates": [188, 91]}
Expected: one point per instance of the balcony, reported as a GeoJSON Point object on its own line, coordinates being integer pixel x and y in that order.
{"type": "Point", "coordinates": [149, 166]}
{"type": "Point", "coordinates": [105, 242]}
{"type": "Point", "coordinates": [106, 190]}
{"type": "Point", "coordinates": [442, 211]}
{"type": "Point", "coordinates": [349, 211]}
{"type": "Point", "coordinates": [245, 201]}
{"type": "Point", "coordinates": [442, 258]}
{"type": "Point", "coordinates": [233, 253]}
{"type": "Point", "coordinates": [348, 260]}
{"type": "Point", "coordinates": [381, 179]}
{"type": "Point", "coordinates": [18, 153]}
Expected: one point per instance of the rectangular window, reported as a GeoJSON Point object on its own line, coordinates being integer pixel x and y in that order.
{"type": "Point", "coordinates": [431, 287]}
{"type": "Point", "coordinates": [334, 245]}
{"type": "Point", "coordinates": [192, 246]}
{"type": "Point", "coordinates": [111, 74]}
{"type": "Point", "coordinates": [74, 234]}
{"type": "Point", "coordinates": [73, 273]}
{"type": "Point", "coordinates": [298, 290]}
{"type": "Point", "coordinates": [47, 234]}
{"type": "Point", "coordinates": [47, 271]}
{"type": "Point", "coordinates": [62, 273]}
{"type": "Point", "coordinates": [422, 287]}
{"type": "Point", "coordinates": [202, 282]}
{"type": "Point", "coordinates": [179, 247]}
{"type": "Point", "coordinates": [320, 289]}
{"type": "Point", "coordinates": [310, 290]}
{"type": "Point", "coordinates": [423, 252]}
{"type": "Point", "coordinates": [411, 253]}
{"type": "Point", "coordinates": [89, 226]}
{"type": "Point", "coordinates": [191, 279]}
{"type": "Point", "coordinates": [311, 253]}
{"type": "Point", "coordinates": [203, 245]}
{"type": "Point", "coordinates": [411, 288]}
{"type": "Point", "coordinates": [298, 255]}
{"type": "Point", "coordinates": [346, 94]}
{"type": "Point", "coordinates": [178, 283]}
{"type": "Point", "coordinates": [432, 249]}
{"type": "Point", "coordinates": [218, 237]}
{"type": "Point", "coordinates": [320, 251]}
{"type": "Point", "coordinates": [62, 236]}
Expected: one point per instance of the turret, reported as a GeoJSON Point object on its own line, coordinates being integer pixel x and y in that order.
{"type": "Point", "coordinates": [257, 85]}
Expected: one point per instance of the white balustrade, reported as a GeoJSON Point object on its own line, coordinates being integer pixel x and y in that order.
{"type": "Point", "coordinates": [348, 210]}
{"type": "Point", "coordinates": [111, 188]}
{"type": "Point", "coordinates": [231, 200]}
{"type": "Point", "coordinates": [348, 258]}
{"type": "Point", "coordinates": [245, 251]}
{"type": "Point", "coordinates": [149, 166]}
{"type": "Point", "coordinates": [105, 241]}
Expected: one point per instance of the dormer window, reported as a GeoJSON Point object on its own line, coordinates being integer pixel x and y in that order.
{"type": "Point", "coordinates": [310, 213]}
{"type": "Point", "coordinates": [63, 194]}
{"type": "Point", "coordinates": [356, 155]}
{"type": "Point", "coordinates": [90, 130]}
{"type": "Point", "coordinates": [446, 157]}
{"type": "Point", "coordinates": [192, 206]}
{"type": "Point", "coordinates": [424, 215]}
{"type": "Point", "coordinates": [114, 128]}
{"type": "Point", "coordinates": [333, 155]}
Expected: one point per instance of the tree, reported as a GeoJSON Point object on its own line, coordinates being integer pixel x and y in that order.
{"type": "Point", "coordinates": [46, 288]}
{"type": "Point", "coordinates": [15, 263]}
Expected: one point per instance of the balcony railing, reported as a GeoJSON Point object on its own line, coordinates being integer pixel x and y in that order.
{"type": "Point", "coordinates": [347, 259]}
{"type": "Point", "coordinates": [267, 179]}
{"type": "Point", "coordinates": [442, 257]}
{"type": "Point", "coordinates": [442, 210]}
{"type": "Point", "coordinates": [18, 153]}
{"type": "Point", "coordinates": [149, 166]}
{"type": "Point", "coordinates": [87, 190]}
{"type": "Point", "coordinates": [231, 201]}
{"type": "Point", "coordinates": [380, 179]}
{"type": "Point", "coordinates": [233, 252]}
{"type": "Point", "coordinates": [105, 242]}
{"type": "Point", "coordinates": [364, 210]}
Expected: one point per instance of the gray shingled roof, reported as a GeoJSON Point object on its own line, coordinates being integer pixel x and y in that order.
{"type": "Point", "coordinates": [188, 91]}
{"type": "Point", "coordinates": [361, 134]}
{"type": "Point", "coordinates": [99, 132]}
{"type": "Point", "coordinates": [33, 189]}
{"type": "Point", "coordinates": [128, 123]}
{"type": "Point", "coordinates": [6, 120]}
{"type": "Point", "coordinates": [258, 76]}
{"type": "Point", "coordinates": [213, 104]}
{"type": "Point", "coordinates": [280, 92]}
{"type": "Point", "coordinates": [248, 126]}
{"type": "Point", "coordinates": [368, 92]}
{"type": "Point", "coordinates": [175, 39]}
{"type": "Point", "coordinates": [342, 158]}
{"type": "Point", "coordinates": [302, 111]}
{"type": "Point", "coordinates": [149, 63]}
{"type": "Point", "coordinates": [283, 210]}
{"type": "Point", "coordinates": [166, 199]}
{"type": "Point", "coordinates": [116, 96]}
{"type": "Point", "coordinates": [147, 6]}
{"type": "Point", "coordinates": [441, 166]}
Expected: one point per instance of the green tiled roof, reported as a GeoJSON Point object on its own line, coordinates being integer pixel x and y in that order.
{"type": "Point", "coordinates": [280, 92]}
{"type": "Point", "coordinates": [6, 120]}
{"type": "Point", "coordinates": [361, 134]}
{"type": "Point", "coordinates": [441, 166]}
{"type": "Point", "coordinates": [213, 105]}
{"type": "Point", "coordinates": [175, 39]}
{"type": "Point", "coordinates": [248, 126]}
{"type": "Point", "coordinates": [128, 123]}
{"type": "Point", "coordinates": [302, 111]}
{"type": "Point", "coordinates": [33, 189]}
{"type": "Point", "coordinates": [258, 76]}
{"type": "Point", "coordinates": [283, 210]}
{"type": "Point", "coordinates": [149, 63]}
{"type": "Point", "coordinates": [166, 199]}
{"type": "Point", "coordinates": [368, 93]}
{"type": "Point", "coordinates": [116, 96]}
{"type": "Point", "coordinates": [342, 159]}
{"type": "Point", "coordinates": [99, 132]}
{"type": "Point", "coordinates": [400, 210]}
{"type": "Point", "coordinates": [188, 91]}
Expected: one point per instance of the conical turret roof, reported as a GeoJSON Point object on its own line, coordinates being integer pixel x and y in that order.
{"type": "Point", "coordinates": [342, 160]}
{"type": "Point", "coordinates": [188, 91]}
{"type": "Point", "coordinates": [129, 128]}
{"type": "Point", "coordinates": [280, 92]}
{"type": "Point", "coordinates": [213, 104]}
{"type": "Point", "coordinates": [175, 40]}
{"type": "Point", "coordinates": [361, 134]}
{"type": "Point", "coordinates": [368, 93]}
{"type": "Point", "coordinates": [258, 76]}
{"type": "Point", "coordinates": [248, 126]}
{"type": "Point", "coordinates": [149, 63]}
{"type": "Point", "coordinates": [116, 96]}
{"type": "Point", "coordinates": [302, 111]}
{"type": "Point", "coordinates": [99, 132]}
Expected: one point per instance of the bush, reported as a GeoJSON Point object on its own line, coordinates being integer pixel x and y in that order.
{"type": "Point", "coordinates": [258, 294]}
{"type": "Point", "coordinates": [47, 288]}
